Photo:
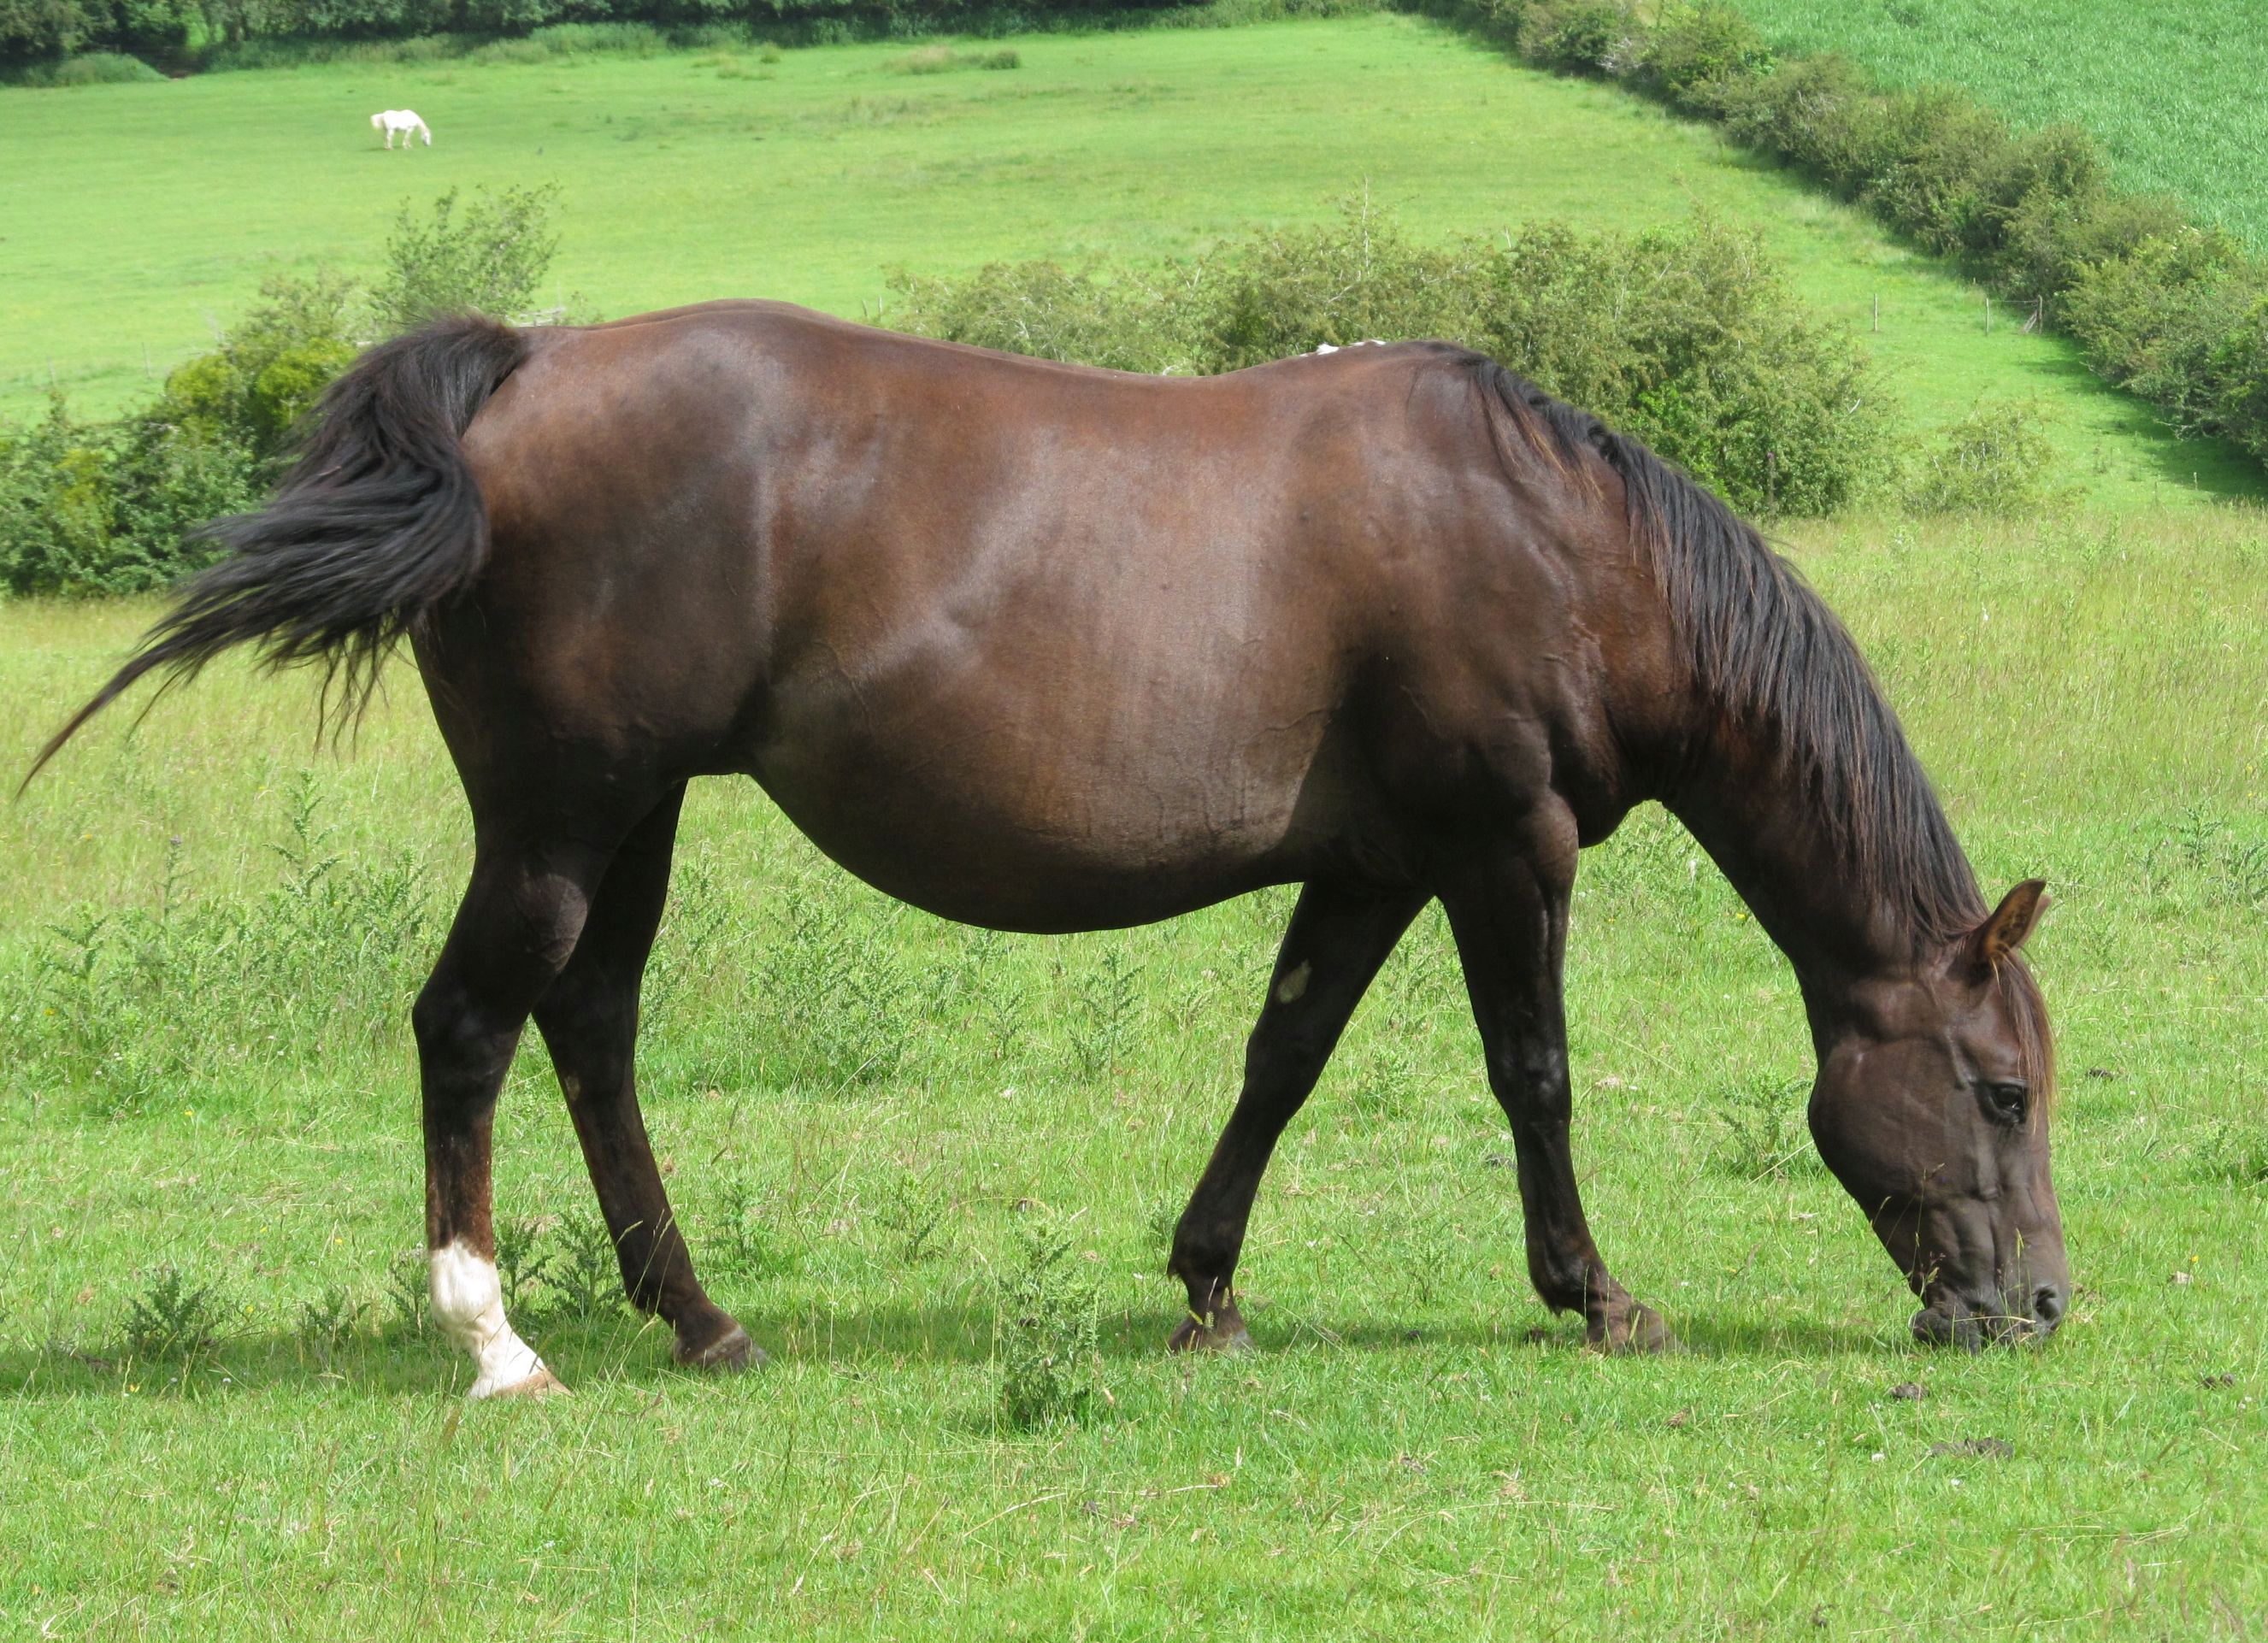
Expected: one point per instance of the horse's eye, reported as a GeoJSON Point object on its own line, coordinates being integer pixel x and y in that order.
{"type": "Point", "coordinates": [2006, 1101]}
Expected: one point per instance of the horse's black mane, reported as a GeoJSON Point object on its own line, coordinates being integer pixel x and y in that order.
{"type": "Point", "coordinates": [1776, 661]}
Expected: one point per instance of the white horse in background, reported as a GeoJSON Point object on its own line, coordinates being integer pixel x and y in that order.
{"type": "Point", "coordinates": [404, 121]}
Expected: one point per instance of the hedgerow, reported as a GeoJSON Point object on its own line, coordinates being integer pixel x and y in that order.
{"type": "Point", "coordinates": [2169, 311]}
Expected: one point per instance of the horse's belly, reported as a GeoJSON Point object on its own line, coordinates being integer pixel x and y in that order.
{"type": "Point", "coordinates": [999, 826]}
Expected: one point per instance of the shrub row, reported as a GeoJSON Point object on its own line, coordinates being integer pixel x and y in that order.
{"type": "Point", "coordinates": [1689, 338]}
{"type": "Point", "coordinates": [2171, 311]}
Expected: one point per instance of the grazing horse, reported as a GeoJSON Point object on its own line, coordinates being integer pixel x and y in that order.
{"type": "Point", "coordinates": [1046, 648]}
{"type": "Point", "coordinates": [404, 121]}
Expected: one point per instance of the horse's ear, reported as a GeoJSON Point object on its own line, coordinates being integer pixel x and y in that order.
{"type": "Point", "coordinates": [2018, 914]}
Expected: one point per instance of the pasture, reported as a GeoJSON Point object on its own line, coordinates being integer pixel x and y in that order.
{"type": "Point", "coordinates": [211, 934]}
{"type": "Point", "coordinates": [2171, 91]}
{"type": "Point", "coordinates": [690, 175]}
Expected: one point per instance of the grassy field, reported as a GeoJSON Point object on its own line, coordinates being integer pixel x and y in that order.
{"type": "Point", "coordinates": [135, 219]}
{"type": "Point", "coordinates": [859, 1107]}
{"type": "Point", "coordinates": [2172, 91]}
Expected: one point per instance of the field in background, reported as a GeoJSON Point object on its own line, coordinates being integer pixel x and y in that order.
{"type": "Point", "coordinates": [2172, 91]}
{"type": "Point", "coordinates": [859, 1104]}
{"type": "Point", "coordinates": [140, 217]}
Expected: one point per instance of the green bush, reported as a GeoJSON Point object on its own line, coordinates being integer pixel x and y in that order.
{"type": "Point", "coordinates": [165, 483]}
{"type": "Point", "coordinates": [1928, 177]}
{"type": "Point", "coordinates": [1816, 113]}
{"type": "Point", "coordinates": [2157, 320]}
{"type": "Point", "coordinates": [491, 256]}
{"type": "Point", "coordinates": [1275, 295]}
{"type": "Point", "coordinates": [575, 39]}
{"type": "Point", "coordinates": [1689, 339]}
{"type": "Point", "coordinates": [1694, 58]}
{"type": "Point", "coordinates": [113, 507]}
{"type": "Point", "coordinates": [269, 367]}
{"type": "Point", "coordinates": [944, 60]}
{"type": "Point", "coordinates": [1996, 461]}
{"type": "Point", "coordinates": [55, 505]}
{"type": "Point", "coordinates": [89, 507]}
{"type": "Point", "coordinates": [2048, 242]}
{"type": "Point", "coordinates": [2237, 373]}
{"type": "Point", "coordinates": [1580, 36]}
{"type": "Point", "coordinates": [289, 384]}
{"type": "Point", "coordinates": [93, 68]}
{"type": "Point", "coordinates": [1133, 319]}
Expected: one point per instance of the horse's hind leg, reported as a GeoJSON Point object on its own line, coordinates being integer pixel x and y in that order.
{"type": "Point", "coordinates": [1338, 936]}
{"type": "Point", "coordinates": [519, 920]}
{"type": "Point", "coordinates": [589, 1020]}
{"type": "Point", "coordinates": [1509, 915]}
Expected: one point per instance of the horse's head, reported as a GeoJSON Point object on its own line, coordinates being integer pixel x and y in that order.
{"type": "Point", "coordinates": [1930, 1109]}
{"type": "Point", "coordinates": [376, 122]}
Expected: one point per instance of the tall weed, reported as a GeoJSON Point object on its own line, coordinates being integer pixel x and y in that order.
{"type": "Point", "coordinates": [1048, 1333]}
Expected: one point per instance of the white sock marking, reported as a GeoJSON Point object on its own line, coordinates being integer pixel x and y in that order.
{"type": "Point", "coordinates": [469, 1301]}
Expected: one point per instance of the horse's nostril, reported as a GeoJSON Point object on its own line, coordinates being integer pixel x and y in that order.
{"type": "Point", "coordinates": [2047, 1305]}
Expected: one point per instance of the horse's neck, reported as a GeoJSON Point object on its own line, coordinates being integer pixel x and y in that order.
{"type": "Point", "coordinates": [1759, 819]}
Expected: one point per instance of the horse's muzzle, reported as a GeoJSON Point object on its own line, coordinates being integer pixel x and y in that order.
{"type": "Point", "coordinates": [1971, 1326]}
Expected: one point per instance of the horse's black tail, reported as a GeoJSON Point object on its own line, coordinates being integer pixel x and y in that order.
{"type": "Point", "coordinates": [378, 522]}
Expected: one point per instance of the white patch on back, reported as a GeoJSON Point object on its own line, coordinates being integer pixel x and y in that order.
{"type": "Point", "coordinates": [469, 1303]}
{"type": "Point", "coordinates": [1291, 986]}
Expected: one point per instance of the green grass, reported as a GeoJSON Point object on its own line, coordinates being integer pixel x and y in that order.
{"type": "Point", "coordinates": [139, 217]}
{"type": "Point", "coordinates": [1418, 1451]}
{"type": "Point", "coordinates": [2172, 91]}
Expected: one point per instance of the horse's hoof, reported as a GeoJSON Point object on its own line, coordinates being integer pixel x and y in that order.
{"type": "Point", "coordinates": [541, 1384]}
{"type": "Point", "coordinates": [732, 1350]}
{"type": "Point", "coordinates": [1641, 1330]}
{"type": "Point", "coordinates": [1223, 1335]}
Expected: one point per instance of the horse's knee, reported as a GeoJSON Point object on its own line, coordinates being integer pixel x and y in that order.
{"type": "Point", "coordinates": [438, 1018]}
{"type": "Point", "coordinates": [455, 1033]}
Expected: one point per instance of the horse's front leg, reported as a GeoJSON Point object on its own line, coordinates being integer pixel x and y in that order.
{"type": "Point", "coordinates": [1338, 936]}
{"type": "Point", "coordinates": [589, 1019]}
{"type": "Point", "coordinates": [1509, 914]}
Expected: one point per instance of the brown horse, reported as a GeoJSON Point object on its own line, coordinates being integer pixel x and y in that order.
{"type": "Point", "coordinates": [1048, 649]}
